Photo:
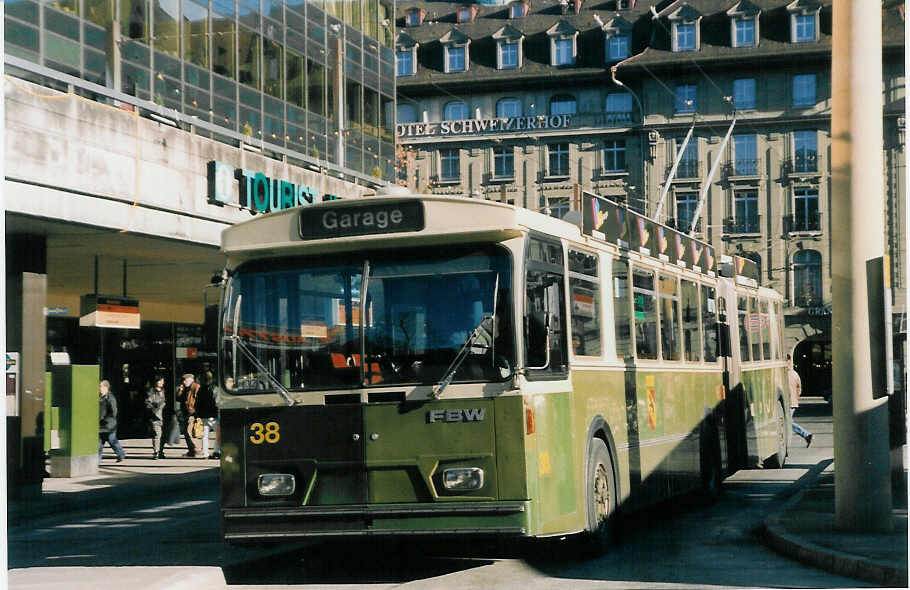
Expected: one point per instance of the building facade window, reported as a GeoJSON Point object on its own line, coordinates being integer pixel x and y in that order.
{"type": "Point", "coordinates": [685, 98]}
{"type": "Point", "coordinates": [804, 90]}
{"type": "Point", "coordinates": [563, 104]}
{"type": "Point", "coordinates": [508, 107]}
{"type": "Point", "coordinates": [413, 18]}
{"type": "Point", "coordinates": [615, 155]}
{"type": "Point", "coordinates": [804, 27]}
{"type": "Point", "coordinates": [449, 164]}
{"type": "Point", "coordinates": [805, 151]}
{"type": "Point", "coordinates": [807, 278]}
{"type": "Point", "coordinates": [745, 154]}
{"type": "Point", "coordinates": [405, 62]}
{"type": "Point", "coordinates": [744, 94]}
{"type": "Point", "coordinates": [617, 48]}
{"type": "Point", "coordinates": [618, 108]}
{"type": "Point", "coordinates": [688, 164]}
{"type": "Point", "coordinates": [465, 14]}
{"type": "Point", "coordinates": [406, 113]}
{"type": "Point", "coordinates": [806, 216]}
{"type": "Point", "coordinates": [685, 37]}
{"type": "Point", "coordinates": [508, 55]}
{"type": "Point", "coordinates": [557, 206]}
{"type": "Point", "coordinates": [745, 213]}
{"type": "Point", "coordinates": [456, 58]}
{"type": "Point", "coordinates": [503, 162]}
{"type": "Point", "coordinates": [744, 32]}
{"type": "Point", "coordinates": [455, 111]}
{"type": "Point", "coordinates": [516, 10]}
{"type": "Point", "coordinates": [558, 159]}
{"type": "Point", "coordinates": [563, 52]}
{"type": "Point", "coordinates": [686, 202]}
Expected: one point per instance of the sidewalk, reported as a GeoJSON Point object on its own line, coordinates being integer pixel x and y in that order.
{"type": "Point", "coordinates": [804, 530]}
{"type": "Point", "coordinates": [136, 476]}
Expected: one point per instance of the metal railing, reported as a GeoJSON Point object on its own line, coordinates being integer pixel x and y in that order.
{"type": "Point", "coordinates": [801, 164]}
{"type": "Point", "coordinates": [803, 222]}
{"type": "Point", "coordinates": [742, 167]}
{"type": "Point", "coordinates": [743, 225]}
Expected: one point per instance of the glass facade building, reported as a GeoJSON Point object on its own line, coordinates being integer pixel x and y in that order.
{"type": "Point", "coordinates": [313, 76]}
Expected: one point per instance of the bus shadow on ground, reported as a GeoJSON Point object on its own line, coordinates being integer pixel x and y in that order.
{"type": "Point", "coordinates": [349, 562]}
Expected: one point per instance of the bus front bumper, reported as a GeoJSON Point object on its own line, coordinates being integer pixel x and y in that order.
{"type": "Point", "coordinates": [463, 518]}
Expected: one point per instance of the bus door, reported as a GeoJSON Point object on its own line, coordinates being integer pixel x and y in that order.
{"type": "Point", "coordinates": [734, 402]}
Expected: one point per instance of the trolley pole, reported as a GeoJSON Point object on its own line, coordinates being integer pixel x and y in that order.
{"type": "Point", "coordinates": [862, 481]}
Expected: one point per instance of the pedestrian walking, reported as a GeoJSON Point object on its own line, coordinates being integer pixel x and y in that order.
{"type": "Point", "coordinates": [186, 396]}
{"type": "Point", "coordinates": [155, 400]}
{"type": "Point", "coordinates": [208, 412]}
{"type": "Point", "coordinates": [107, 421]}
{"type": "Point", "coordinates": [796, 389]}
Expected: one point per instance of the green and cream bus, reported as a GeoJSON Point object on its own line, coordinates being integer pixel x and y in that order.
{"type": "Point", "coordinates": [425, 365]}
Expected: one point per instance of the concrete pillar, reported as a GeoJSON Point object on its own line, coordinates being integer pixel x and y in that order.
{"type": "Point", "coordinates": [26, 333]}
{"type": "Point", "coordinates": [862, 483]}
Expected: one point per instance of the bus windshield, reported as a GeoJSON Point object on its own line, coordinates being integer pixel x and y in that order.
{"type": "Point", "coordinates": [301, 320]}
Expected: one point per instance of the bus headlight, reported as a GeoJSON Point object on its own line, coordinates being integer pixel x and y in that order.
{"type": "Point", "coordinates": [463, 478]}
{"type": "Point", "coordinates": [276, 484]}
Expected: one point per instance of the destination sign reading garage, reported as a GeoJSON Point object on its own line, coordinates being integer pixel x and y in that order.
{"type": "Point", "coordinates": [361, 220]}
{"type": "Point", "coordinates": [475, 126]}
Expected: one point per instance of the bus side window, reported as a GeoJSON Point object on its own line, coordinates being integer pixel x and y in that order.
{"type": "Point", "coordinates": [584, 290]}
{"type": "Point", "coordinates": [545, 311]}
{"type": "Point", "coordinates": [621, 320]}
{"type": "Point", "coordinates": [691, 323]}
{"type": "Point", "coordinates": [645, 306]}
{"type": "Point", "coordinates": [710, 325]}
{"type": "Point", "coordinates": [742, 307]}
{"type": "Point", "coordinates": [669, 317]}
{"type": "Point", "coordinates": [754, 329]}
{"type": "Point", "coordinates": [765, 330]}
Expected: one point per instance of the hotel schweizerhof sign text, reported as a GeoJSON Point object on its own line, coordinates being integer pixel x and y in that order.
{"type": "Point", "coordinates": [474, 126]}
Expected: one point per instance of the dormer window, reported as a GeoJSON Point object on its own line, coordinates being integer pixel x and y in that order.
{"type": "Point", "coordinates": [744, 24]}
{"type": "Point", "coordinates": [685, 29]}
{"type": "Point", "coordinates": [617, 36]}
{"type": "Point", "coordinates": [518, 10]}
{"type": "Point", "coordinates": [617, 48]}
{"type": "Point", "coordinates": [563, 38]}
{"type": "Point", "coordinates": [508, 48]}
{"type": "Point", "coordinates": [414, 17]}
{"type": "Point", "coordinates": [685, 37]}
{"type": "Point", "coordinates": [744, 33]}
{"type": "Point", "coordinates": [405, 56]}
{"type": "Point", "coordinates": [803, 20]}
{"type": "Point", "coordinates": [466, 14]}
{"type": "Point", "coordinates": [455, 45]}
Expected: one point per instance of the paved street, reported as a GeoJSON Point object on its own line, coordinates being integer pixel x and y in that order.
{"type": "Point", "coordinates": [686, 546]}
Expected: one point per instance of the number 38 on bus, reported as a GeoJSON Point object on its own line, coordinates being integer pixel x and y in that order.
{"type": "Point", "coordinates": [419, 365]}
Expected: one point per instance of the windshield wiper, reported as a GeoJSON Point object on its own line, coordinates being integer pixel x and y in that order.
{"type": "Point", "coordinates": [469, 343]}
{"type": "Point", "coordinates": [239, 345]}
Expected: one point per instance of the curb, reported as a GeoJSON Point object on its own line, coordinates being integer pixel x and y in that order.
{"type": "Point", "coordinates": [831, 560]}
{"type": "Point", "coordinates": [149, 578]}
{"type": "Point", "coordinates": [20, 510]}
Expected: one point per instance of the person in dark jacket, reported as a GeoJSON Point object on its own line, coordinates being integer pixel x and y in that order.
{"type": "Point", "coordinates": [155, 400]}
{"type": "Point", "coordinates": [186, 396]}
{"type": "Point", "coordinates": [107, 421]}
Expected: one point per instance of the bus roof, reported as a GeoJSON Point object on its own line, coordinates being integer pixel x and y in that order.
{"type": "Point", "coordinates": [394, 221]}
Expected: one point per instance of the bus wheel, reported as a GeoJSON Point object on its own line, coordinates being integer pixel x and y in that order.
{"type": "Point", "coordinates": [601, 498]}
{"type": "Point", "coordinates": [777, 460]}
{"type": "Point", "coordinates": [712, 479]}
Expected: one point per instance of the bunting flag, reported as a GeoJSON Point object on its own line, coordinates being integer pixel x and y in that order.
{"type": "Point", "coordinates": [662, 242]}
{"type": "Point", "coordinates": [680, 247]}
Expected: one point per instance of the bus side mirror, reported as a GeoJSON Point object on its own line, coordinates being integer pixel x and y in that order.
{"type": "Point", "coordinates": [723, 339]}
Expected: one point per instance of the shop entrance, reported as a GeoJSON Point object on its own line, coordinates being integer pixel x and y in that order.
{"type": "Point", "coordinates": [812, 361]}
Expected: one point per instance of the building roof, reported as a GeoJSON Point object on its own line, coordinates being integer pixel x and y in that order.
{"type": "Point", "coordinates": [650, 38]}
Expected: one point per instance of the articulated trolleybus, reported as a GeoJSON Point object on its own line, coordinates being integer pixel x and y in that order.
{"type": "Point", "coordinates": [405, 365]}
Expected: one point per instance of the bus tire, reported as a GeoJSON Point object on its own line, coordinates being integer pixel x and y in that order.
{"type": "Point", "coordinates": [777, 460]}
{"type": "Point", "coordinates": [712, 477]}
{"type": "Point", "coordinates": [601, 499]}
